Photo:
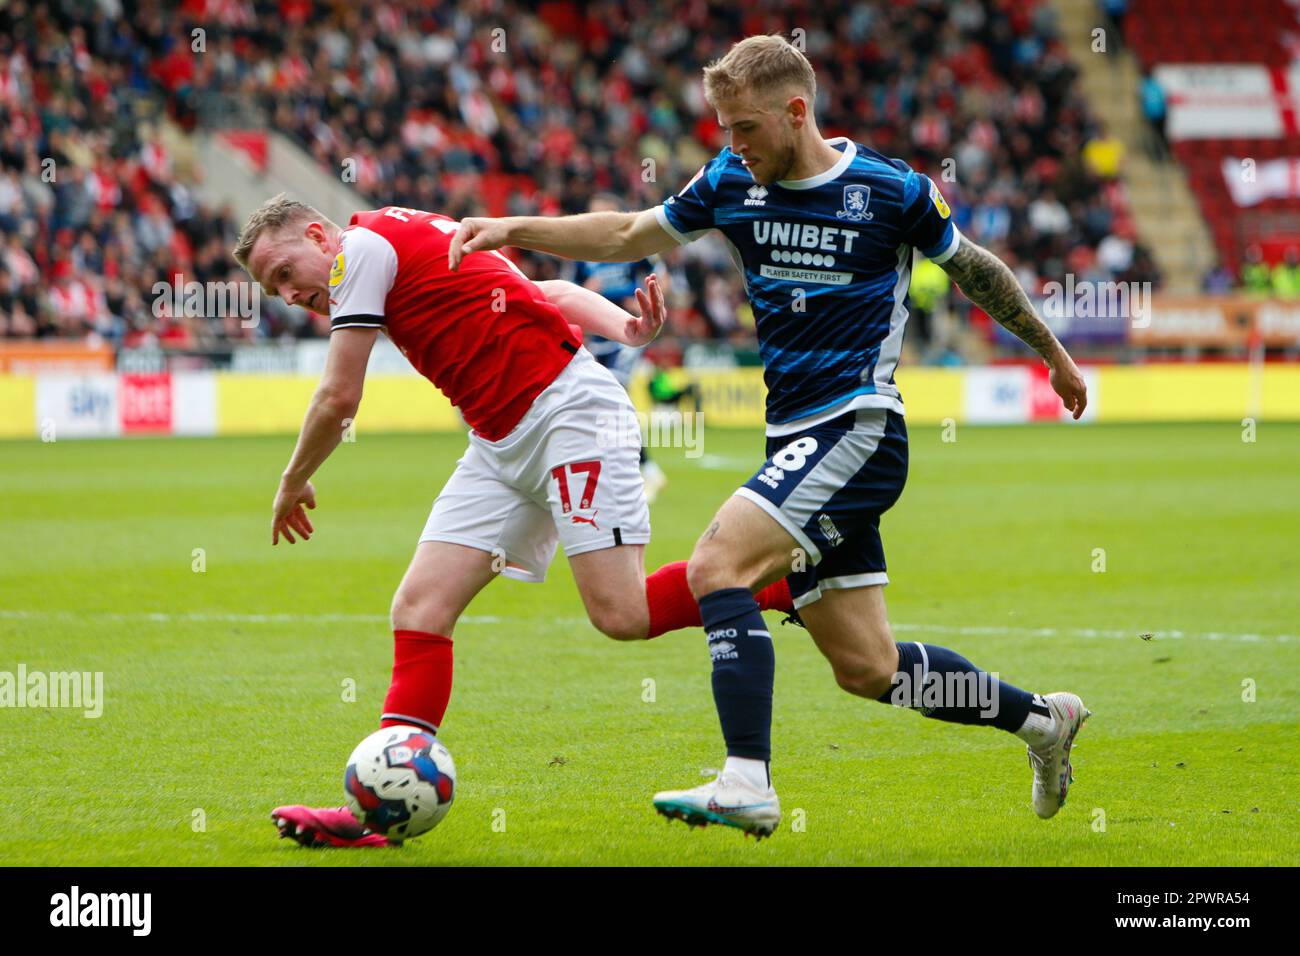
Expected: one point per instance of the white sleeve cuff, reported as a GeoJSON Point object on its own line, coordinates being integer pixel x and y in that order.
{"type": "Point", "coordinates": [679, 237]}
{"type": "Point", "coordinates": [952, 248]}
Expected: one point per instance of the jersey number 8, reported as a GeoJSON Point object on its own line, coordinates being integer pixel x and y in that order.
{"type": "Point", "coordinates": [795, 455]}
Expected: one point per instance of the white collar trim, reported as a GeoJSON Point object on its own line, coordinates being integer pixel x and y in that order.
{"type": "Point", "coordinates": [812, 182]}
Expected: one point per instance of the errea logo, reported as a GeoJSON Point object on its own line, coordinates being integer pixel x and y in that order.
{"type": "Point", "coordinates": [757, 195]}
{"type": "Point", "coordinates": [723, 651]}
{"type": "Point", "coordinates": [833, 536]}
{"type": "Point", "coordinates": [771, 476]}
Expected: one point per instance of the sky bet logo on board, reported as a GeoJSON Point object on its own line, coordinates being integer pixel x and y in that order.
{"type": "Point", "coordinates": [87, 402]}
{"type": "Point", "coordinates": [77, 405]}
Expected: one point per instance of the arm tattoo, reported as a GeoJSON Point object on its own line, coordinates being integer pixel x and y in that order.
{"type": "Point", "coordinates": [990, 284]}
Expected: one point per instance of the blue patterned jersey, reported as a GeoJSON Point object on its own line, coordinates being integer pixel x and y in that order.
{"type": "Point", "coordinates": [826, 262]}
{"type": "Point", "coordinates": [618, 280]}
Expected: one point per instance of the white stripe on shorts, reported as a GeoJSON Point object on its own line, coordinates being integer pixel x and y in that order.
{"type": "Point", "coordinates": [837, 467]}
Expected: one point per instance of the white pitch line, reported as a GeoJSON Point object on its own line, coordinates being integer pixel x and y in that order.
{"type": "Point", "coordinates": [1098, 632]}
{"type": "Point", "coordinates": [161, 617]}
{"type": "Point", "coordinates": [726, 463]}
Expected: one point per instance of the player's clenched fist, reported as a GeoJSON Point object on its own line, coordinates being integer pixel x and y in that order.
{"type": "Point", "coordinates": [289, 516]}
{"type": "Point", "coordinates": [476, 235]}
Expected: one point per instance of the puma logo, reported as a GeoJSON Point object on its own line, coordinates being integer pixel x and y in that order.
{"type": "Point", "coordinates": [579, 519]}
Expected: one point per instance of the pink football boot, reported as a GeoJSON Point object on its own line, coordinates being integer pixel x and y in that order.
{"type": "Point", "coordinates": [324, 827]}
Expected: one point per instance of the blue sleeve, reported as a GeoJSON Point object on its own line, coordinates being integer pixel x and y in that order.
{"type": "Point", "coordinates": [927, 220]}
{"type": "Point", "coordinates": [689, 214]}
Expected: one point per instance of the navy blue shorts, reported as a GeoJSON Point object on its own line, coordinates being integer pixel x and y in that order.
{"type": "Point", "coordinates": [828, 486]}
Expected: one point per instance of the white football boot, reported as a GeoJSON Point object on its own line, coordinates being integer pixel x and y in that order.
{"type": "Point", "coordinates": [1051, 763]}
{"type": "Point", "coordinates": [728, 800]}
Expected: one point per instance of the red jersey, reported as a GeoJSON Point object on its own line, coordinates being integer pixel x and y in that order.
{"type": "Point", "coordinates": [485, 335]}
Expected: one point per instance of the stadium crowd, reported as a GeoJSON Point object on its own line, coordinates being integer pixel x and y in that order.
{"type": "Point", "coordinates": [427, 102]}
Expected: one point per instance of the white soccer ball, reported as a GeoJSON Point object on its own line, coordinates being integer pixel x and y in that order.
{"type": "Point", "coordinates": [400, 782]}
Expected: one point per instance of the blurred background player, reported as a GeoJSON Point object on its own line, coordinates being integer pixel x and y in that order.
{"type": "Point", "coordinates": [618, 282]}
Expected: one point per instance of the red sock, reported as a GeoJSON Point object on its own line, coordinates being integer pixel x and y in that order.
{"type": "Point", "coordinates": [776, 597]}
{"type": "Point", "coordinates": [673, 607]}
{"type": "Point", "coordinates": [421, 683]}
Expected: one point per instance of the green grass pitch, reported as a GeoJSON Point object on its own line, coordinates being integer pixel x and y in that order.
{"type": "Point", "coordinates": [225, 690]}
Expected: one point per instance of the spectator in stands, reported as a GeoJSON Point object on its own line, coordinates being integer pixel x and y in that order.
{"type": "Point", "coordinates": [929, 292]}
{"type": "Point", "coordinates": [1285, 277]}
{"type": "Point", "coordinates": [1116, 11]}
{"type": "Point", "coordinates": [1103, 154]}
{"type": "Point", "coordinates": [17, 310]}
{"type": "Point", "coordinates": [1256, 278]}
{"type": "Point", "coordinates": [1218, 281]}
{"type": "Point", "coordinates": [431, 113]}
{"type": "Point", "coordinates": [1115, 252]}
{"type": "Point", "coordinates": [1152, 98]}
{"type": "Point", "coordinates": [1143, 268]}
{"type": "Point", "coordinates": [77, 307]}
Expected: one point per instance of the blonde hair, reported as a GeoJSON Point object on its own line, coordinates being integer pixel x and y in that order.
{"type": "Point", "coordinates": [763, 65]}
{"type": "Point", "coordinates": [273, 215]}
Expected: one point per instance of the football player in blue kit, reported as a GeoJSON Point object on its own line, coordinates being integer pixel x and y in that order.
{"type": "Point", "coordinates": [823, 232]}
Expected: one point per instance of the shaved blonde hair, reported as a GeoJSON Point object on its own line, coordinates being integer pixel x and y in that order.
{"type": "Point", "coordinates": [278, 212]}
{"type": "Point", "coordinates": [765, 66]}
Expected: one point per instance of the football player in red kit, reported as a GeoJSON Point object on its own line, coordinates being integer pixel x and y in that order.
{"type": "Point", "coordinates": [541, 468]}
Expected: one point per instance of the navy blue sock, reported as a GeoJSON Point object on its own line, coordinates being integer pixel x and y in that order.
{"type": "Point", "coordinates": [744, 666]}
{"type": "Point", "coordinates": [944, 685]}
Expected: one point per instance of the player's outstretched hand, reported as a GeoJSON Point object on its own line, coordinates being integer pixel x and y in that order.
{"type": "Point", "coordinates": [1068, 382]}
{"type": "Point", "coordinates": [289, 515]}
{"type": "Point", "coordinates": [643, 329]}
{"type": "Point", "coordinates": [476, 235]}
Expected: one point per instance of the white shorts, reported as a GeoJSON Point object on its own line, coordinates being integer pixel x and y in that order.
{"type": "Point", "coordinates": [568, 473]}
